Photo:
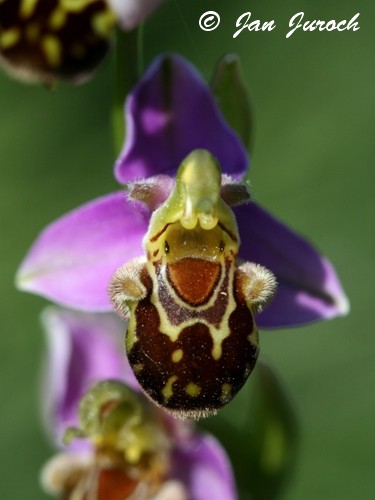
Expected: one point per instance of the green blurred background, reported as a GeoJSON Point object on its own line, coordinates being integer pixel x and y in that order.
{"type": "Point", "coordinates": [313, 166]}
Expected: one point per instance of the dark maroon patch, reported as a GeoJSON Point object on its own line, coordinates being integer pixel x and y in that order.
{"type": "Point", "coordinates": [154, 351]}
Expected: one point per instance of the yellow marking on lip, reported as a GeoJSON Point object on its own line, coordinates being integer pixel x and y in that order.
{"type": "Point", "coordinates": [9, 38]}
{"type": "Point", "coordinates": [27, 8]}
{"type": "Point", "coordinates": [177, 355]}
{"type": "Point", "coordinates": [253, 337]}
{"type": "Point", "coordinates": [138, 367]}
{"type": "Point", "coordinates": [131, 337]}
{"type": "Point", "coordinates": [57, 19]}
{"type": "Point", "coordinates": [75, 5]}
{"type": "Point", "coordinates": [52, 50]}
{"type": "Point", "coordinates": [167, 390]}
{"type": "Point", "coordinates": [217, 350]}
{"type": "Point", "coordinates": [226, 390]}
{"type": "Point", "coordinates": [193, 390]}
{"type": "Point", "coordinates": [102, 23]}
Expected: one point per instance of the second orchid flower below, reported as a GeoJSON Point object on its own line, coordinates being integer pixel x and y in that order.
{"type": "Point", "coordinates": [118, 444]}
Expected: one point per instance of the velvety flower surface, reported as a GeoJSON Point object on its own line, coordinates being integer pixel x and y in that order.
{"type": "Point", "coordinates": [84, 348]}
{"type": "Point", "coordinates": [171, 112]}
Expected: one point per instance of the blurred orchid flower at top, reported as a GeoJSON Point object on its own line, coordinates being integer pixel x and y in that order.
{"type": "Point", "coordinates": [46, 40]}
{"type": "Point", "coordinates": [126, 447]}
{"type": "Point", "coordinates": [170, 113]}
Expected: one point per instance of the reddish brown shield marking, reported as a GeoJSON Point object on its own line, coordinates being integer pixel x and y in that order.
{"type": "Point", "coordinates": [194, 279]}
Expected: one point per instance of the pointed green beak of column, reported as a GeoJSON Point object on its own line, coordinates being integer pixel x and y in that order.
{"type": "Point", "coordinates": [198, 183]}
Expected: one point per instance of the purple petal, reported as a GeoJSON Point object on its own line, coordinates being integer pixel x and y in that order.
{"type": "Point", "coordinates": [308, 287]}
{"type": "Point", "coordinates": [204, 468]}
{"type": "Point", "coordinates": [131, 12]}
{"type": "Point", "coordinates": [73, 259]}
{"type": "Point", "coordinates": [82, 349]}
{"type": "Point", "coordinates": [170, 113]}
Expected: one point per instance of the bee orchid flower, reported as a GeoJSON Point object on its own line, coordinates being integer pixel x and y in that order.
{"type": "Point", "coordinates": [124, 445]}
{"type": "Point", "coordinates": [170, 113]}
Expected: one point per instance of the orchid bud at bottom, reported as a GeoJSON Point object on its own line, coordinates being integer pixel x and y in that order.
{"type": "Point", "coordinates": [130, 449]}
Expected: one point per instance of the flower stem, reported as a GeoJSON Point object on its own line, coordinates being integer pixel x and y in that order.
{"type": "Point", "coordinates": [127, 70]}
